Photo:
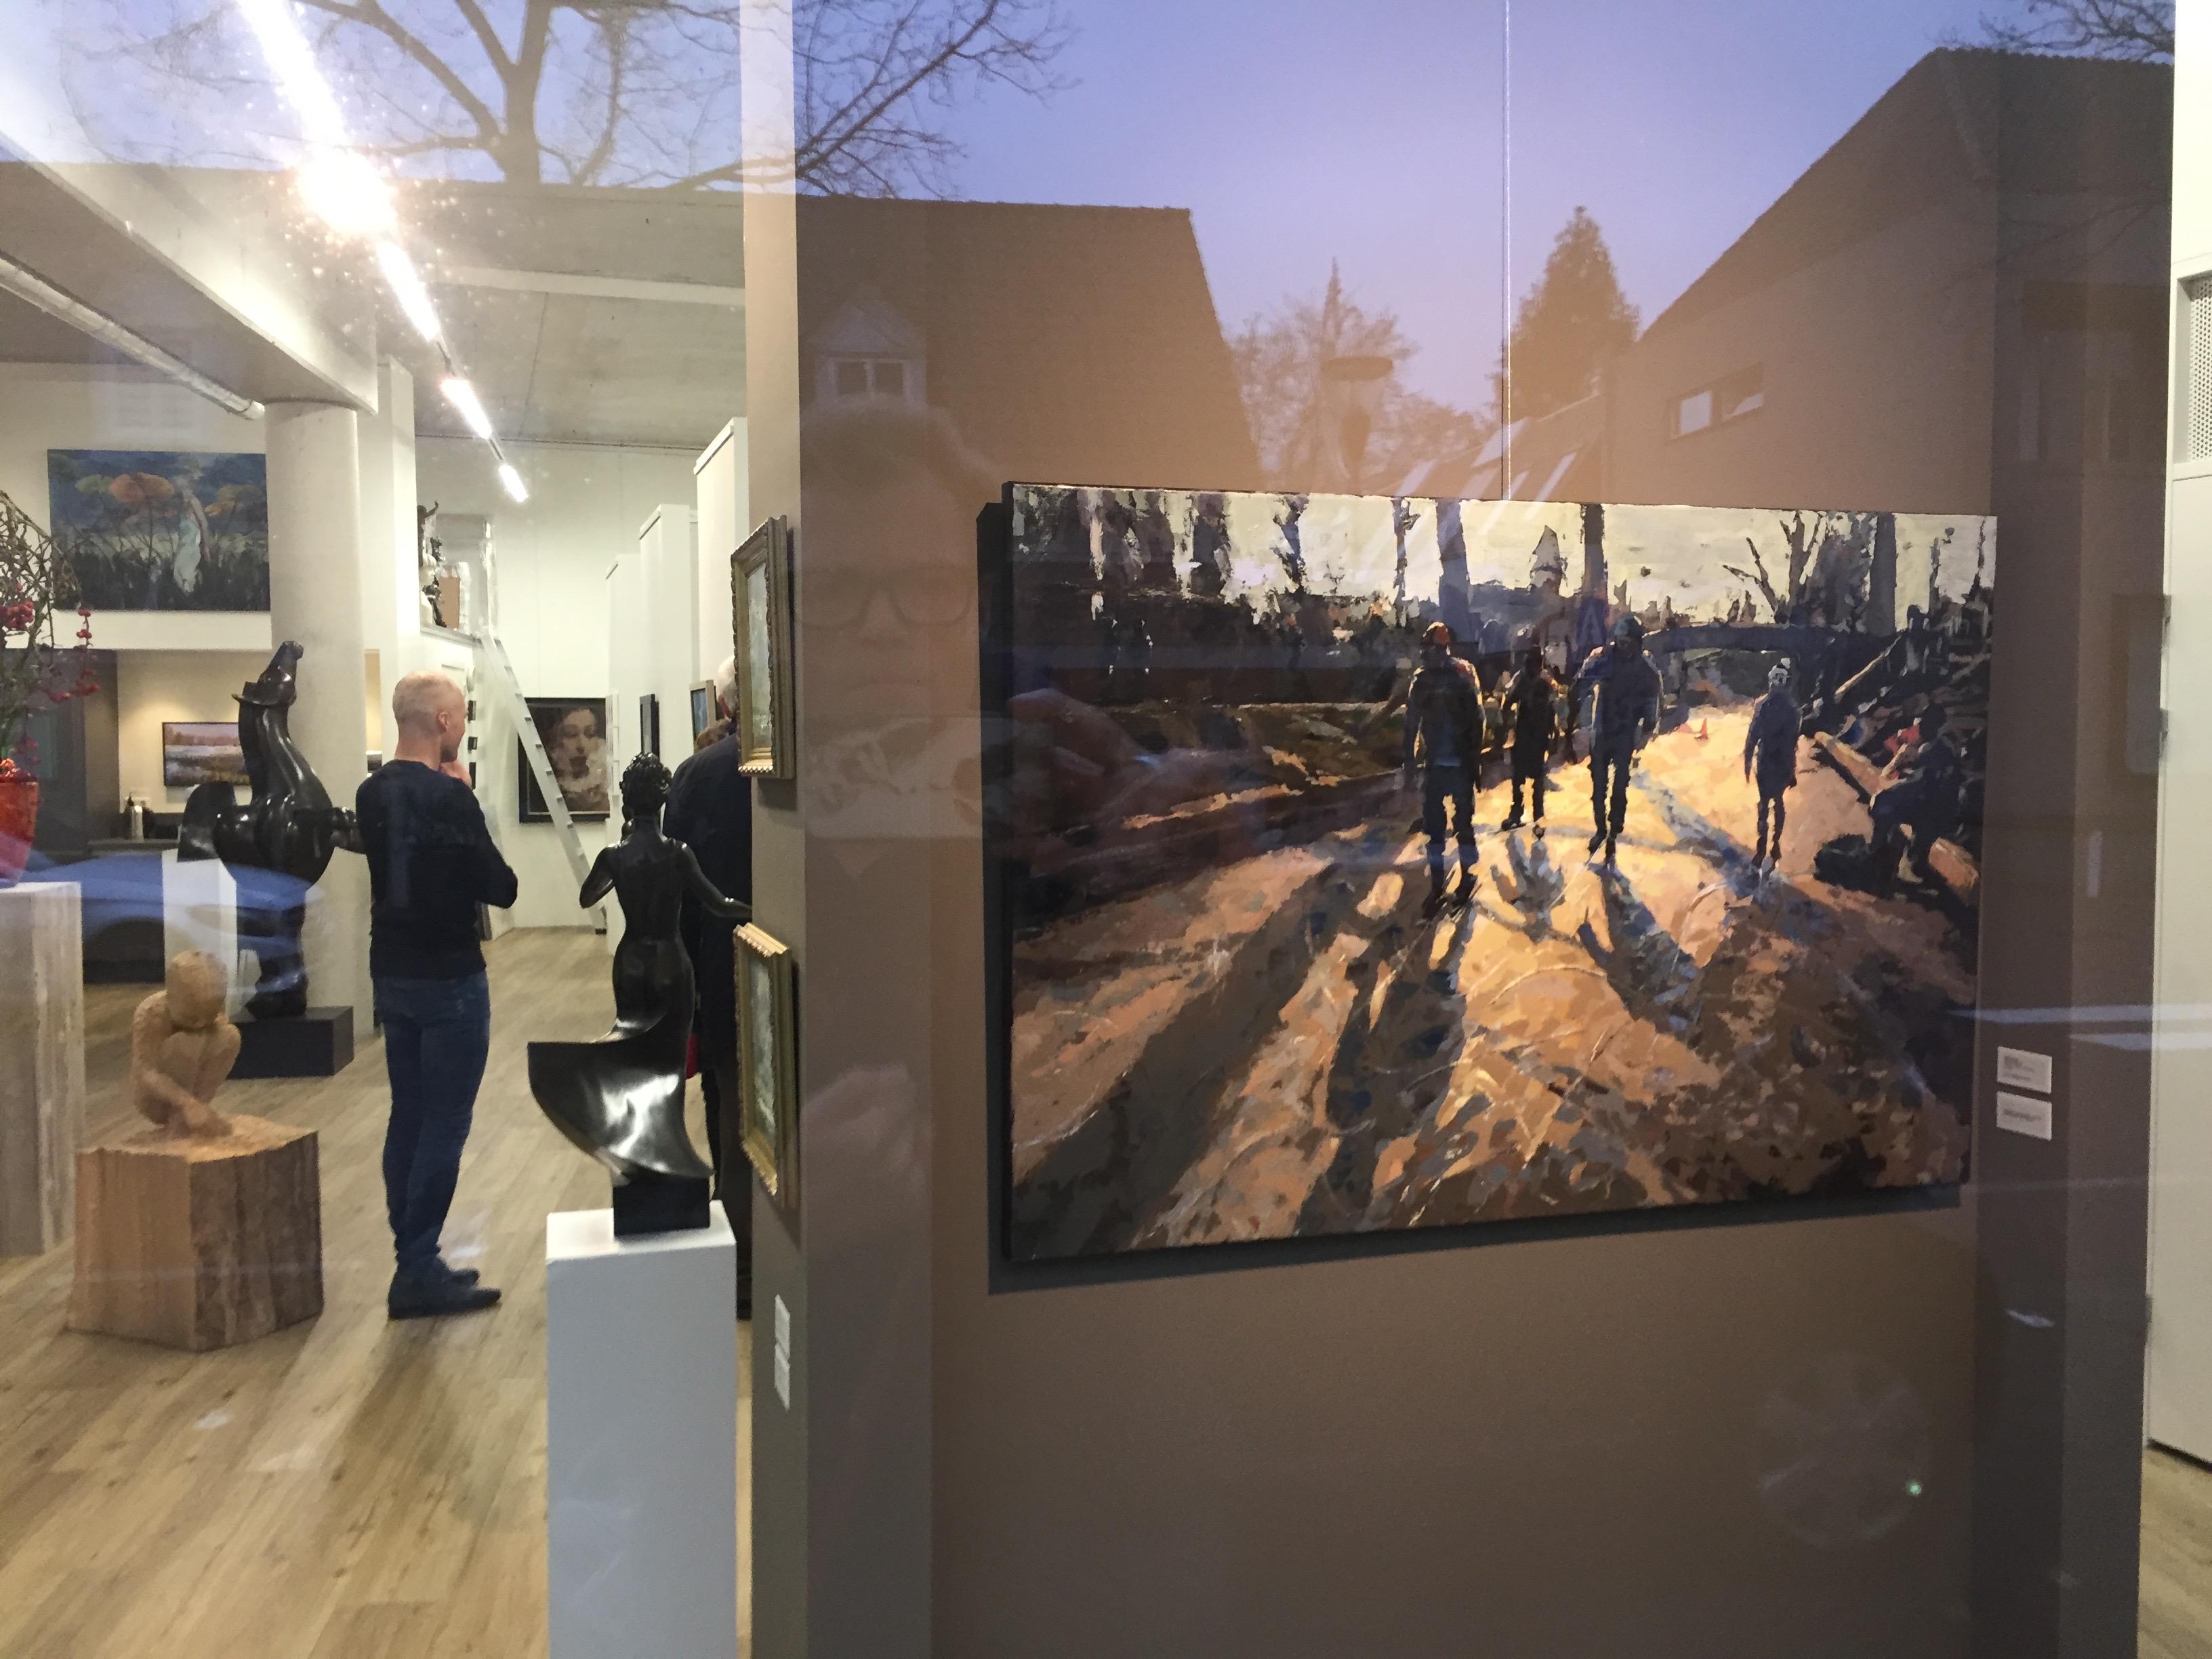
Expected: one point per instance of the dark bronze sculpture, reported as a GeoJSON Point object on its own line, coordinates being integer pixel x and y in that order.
{"type": "Point", "coordinates": [621, 1097]}
{"type": "Point", "coordinates": [288, 828]}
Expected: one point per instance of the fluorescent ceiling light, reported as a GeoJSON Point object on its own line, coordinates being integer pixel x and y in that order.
{"type": "Point", "coordinates": [293, 62]}
{"type": "Point", "coordinates": [463, 396]}
{"type": "Point", "coordinates": [347, 194]}
{"type": "Point", "coordinates": [407, 289]}
{"type": "Point", "coordinates": [28, 285]}
{"type": "Point", "coordinates": [512, 482]}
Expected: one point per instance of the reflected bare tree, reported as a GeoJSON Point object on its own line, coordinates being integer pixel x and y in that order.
{"type": "Point", "coordinates": [592, 92]}
{"type": "Point", "coordinates": [2141, 31]}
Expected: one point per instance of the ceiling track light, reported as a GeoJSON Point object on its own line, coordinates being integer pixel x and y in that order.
{"type": "Point", "coordinates": [463, 396]}
{"type": "Point", "coordinates": [510, 481]}
{"type": "Point", "coordinates": [28, 285]}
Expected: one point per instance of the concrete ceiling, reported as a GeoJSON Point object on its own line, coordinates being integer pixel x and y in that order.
{"type": "Point", "coordinates": [584, 316]}
{"type": "Point", "coordinates": [581, 316]}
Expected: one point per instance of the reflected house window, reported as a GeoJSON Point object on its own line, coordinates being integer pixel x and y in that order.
{"type": "Point", "coordinates": [1730, 399]}
{"type": "Point", "coordinates": [867, 350]}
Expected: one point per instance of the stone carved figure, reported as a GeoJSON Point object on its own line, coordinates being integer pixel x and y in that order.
{"type": "Point", "coordinates": [288, 828]}
{"type": "Point", "coordinates": [621, 1096]}
{"type": "Point", "coordinates": [182, 1047]}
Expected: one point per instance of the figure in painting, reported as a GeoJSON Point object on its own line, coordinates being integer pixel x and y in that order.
{"type": "Point", "coordinates": [182, 1047]}
{"type": "Point", "coordinates": [1919, 797]}
{"type": "Point", "coordinates": [1443, 729]}
{"type": "Point", "coordinates": [621, 1098]}
{"type": "Point", "coordinates": [1624, 690]}
{"type": "Point", "coordinates": [1770, 752]}
{"type": "Point", "coordinates": [1531, 711]}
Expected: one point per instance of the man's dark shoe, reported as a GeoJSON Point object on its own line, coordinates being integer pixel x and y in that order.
{"type": "Point", "coordinates": [1597, 838]}
{"type": "Point", "coordinates": [410, 1297]}
{"type": "Point", "coordinates": [1609, 850]}
{"type": "Point", "coordinates": [1512, 821]}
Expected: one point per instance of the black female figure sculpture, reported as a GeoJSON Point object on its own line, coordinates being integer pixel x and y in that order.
{"type": "Point", "coordinates": [621, 1098]}
{"type": "Point", "coordinates": [290, 828]}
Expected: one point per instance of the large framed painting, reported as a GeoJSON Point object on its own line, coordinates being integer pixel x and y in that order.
{"type": "Point", "coordinates": [194, 752]}
{"type": "Point", "coordinates": [575, 733]}
{"type": "Point", "coordinates": [768, 1060]}
{"type": "Point", "coordinates": [760, 600]}
{"type": "Point", "coordinates": [1364, 864]}
{"type": "Point", "coordinates": [163, 530]}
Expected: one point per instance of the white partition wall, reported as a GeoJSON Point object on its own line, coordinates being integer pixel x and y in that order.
{"type": "Point", "coordinates": [722, 524]}
{"type": "Point", "coordinates": [2179, 1392]}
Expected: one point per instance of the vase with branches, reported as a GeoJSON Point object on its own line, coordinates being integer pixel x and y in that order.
{"type": "Point", "coordinates": [38, 589]}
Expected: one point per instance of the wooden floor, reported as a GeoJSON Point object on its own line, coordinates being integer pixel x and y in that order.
{"type": "Point", "coordinates": [353, 1488]}
{"type": "Point", "coordinates": [347, 1487]}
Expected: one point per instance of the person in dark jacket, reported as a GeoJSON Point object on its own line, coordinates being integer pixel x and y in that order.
{"type": "Point", "coordinates": [1920, 799]}
{"type": "Point", "coordinates": [1624, 689]}
{"type": "Point", "coordinates": [710, 810]}
{"type": "Point", "coordinates": [1443, 725]}
{"type": "Point", "coordinates": [431, 863]}
{"type": "Point", "coordinates": [1532, 721]}
{"type": "Point", "coordinates": [1769, 749]}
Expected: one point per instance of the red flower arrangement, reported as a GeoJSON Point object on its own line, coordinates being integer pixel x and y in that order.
{"type": "Point", "coordinates": [36, 586]}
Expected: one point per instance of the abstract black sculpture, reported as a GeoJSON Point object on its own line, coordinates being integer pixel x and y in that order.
{"type": "Point", "coordinates": [288, 828]}
{"type": "Point", "coordinates": [621, 1097]}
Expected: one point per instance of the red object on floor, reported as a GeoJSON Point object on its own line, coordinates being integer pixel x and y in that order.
{"type": "Point", "coordinates": [19, 820]}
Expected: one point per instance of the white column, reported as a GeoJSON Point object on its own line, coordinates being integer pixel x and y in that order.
{"type": "Point", "coordinates": [315, 597]}
{"type": "Point", "coordinates": [391, 617]}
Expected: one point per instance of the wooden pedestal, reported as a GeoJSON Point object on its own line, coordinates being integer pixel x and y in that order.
{"type": "Point", "coordinates": [41, 1063]}
{"type": "Point", "coordinates": [198, 1243]}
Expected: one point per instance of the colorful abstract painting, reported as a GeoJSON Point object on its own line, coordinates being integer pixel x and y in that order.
{"type": "Point", "coordinates": [161, 530]}
{"type": "Point", "coordinates": [1371, 863]}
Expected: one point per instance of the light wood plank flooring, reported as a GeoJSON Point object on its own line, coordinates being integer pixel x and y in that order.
{"type": "Point", "coordinates": [347, 1487]}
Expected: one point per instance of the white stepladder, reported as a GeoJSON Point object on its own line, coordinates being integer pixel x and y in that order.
{"type": "Point", "coordinates": [540, 763]}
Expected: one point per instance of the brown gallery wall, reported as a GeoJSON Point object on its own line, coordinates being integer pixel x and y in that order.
{"type": "Point", "coordinates": [1683, 1434]}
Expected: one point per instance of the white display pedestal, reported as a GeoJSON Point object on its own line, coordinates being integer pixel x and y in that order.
{"type": "Point", "coordinates": [640, 1440]}
{"type": "Point", "coordinates": [41, 1064]}
{"type": "Point", "coordinates": [200, 912]}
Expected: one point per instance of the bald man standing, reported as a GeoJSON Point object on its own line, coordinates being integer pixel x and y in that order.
{"type": "Point", "coordinates": [431, 862]}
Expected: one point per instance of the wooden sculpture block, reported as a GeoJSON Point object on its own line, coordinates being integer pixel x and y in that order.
{"type": "Point", "coordinates": [199, 1242]}
{"type": "Point", "coordinates": [41, 1063]}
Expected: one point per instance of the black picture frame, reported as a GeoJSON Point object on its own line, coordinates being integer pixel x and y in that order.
{"type": "Point", "coordinates": [591, 804]}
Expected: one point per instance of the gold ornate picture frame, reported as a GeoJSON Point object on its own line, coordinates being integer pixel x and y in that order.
{"type": "Point", "coordinates": [760, 612]}
{"type": "Point", "coordinates": [768, 1060]}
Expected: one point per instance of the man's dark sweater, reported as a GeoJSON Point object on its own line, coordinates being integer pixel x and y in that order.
{"type": "Point", "coordinates": [431, 862]}
{"type": "Point", "coordinates": [710, 810]}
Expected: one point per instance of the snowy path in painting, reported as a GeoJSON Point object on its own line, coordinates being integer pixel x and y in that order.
{"type": "Point", "coordinates": [1286, 1046]}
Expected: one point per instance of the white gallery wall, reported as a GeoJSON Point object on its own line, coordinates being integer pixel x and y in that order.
{"type": "Point", "coordinates": [552, 555]}
{"type": "Point", "coordinates": [152, 687]}
{"type": "Point", "coordinates": [46, 406]}
{"type": "Point", "coordinates": [2179, 1395]}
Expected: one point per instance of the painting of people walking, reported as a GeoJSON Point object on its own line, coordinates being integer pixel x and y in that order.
{"type": "Point", "coordinates": [1362, 864]}
{"type": "Point", "coordinates": [163, 530]}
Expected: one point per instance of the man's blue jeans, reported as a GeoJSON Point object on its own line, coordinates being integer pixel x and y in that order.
{"type": "Point", "coordinates": [436, 1033]}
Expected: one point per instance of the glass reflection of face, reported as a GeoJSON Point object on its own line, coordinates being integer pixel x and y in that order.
{"type": "Point", "coordinates": [576, 744]}
{"type": "Point", "coordinates": [891, 565]}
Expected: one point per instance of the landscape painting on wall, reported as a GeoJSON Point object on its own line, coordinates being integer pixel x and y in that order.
{"type": "Point", "coordinates": [1669, 897]}
{"type": "Point", "coordinates": [160, 530]}
{"type": "Point", "coordinates": [194, 752]}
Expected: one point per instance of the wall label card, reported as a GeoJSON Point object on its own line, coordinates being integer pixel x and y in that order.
{"type": "Point", "coordinates": [2023, 1068]}
{"type": "Point", "coordinates": [2024, 1115]}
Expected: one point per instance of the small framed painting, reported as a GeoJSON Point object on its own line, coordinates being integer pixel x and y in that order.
{"type": "Point", "coordinates": [760, 600]}
{"type": "Point", "coordinates": [768, 1060]}
{"type": "Point", "coordinates": [194, 752]}
{"type": "Point", "coordinates": [575, 733]}
{"type": "Point", "coordinates": [702, 709]}
{"type": "Point", "coordinates": [648, 724]}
